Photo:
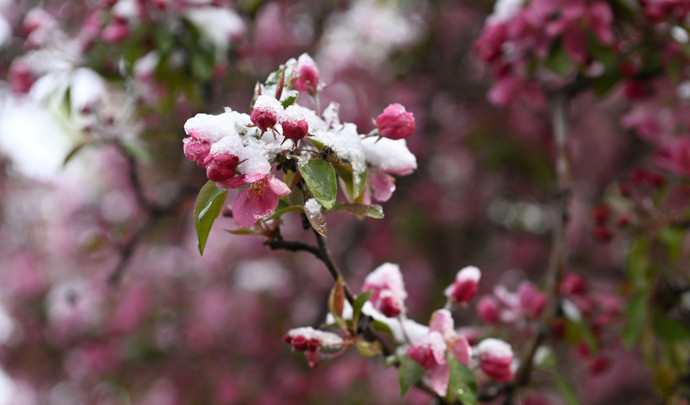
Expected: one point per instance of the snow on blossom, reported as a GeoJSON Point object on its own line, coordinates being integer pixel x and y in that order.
{"type": "Point", "coordinates": [293, 123]}
{"type": "Point", "coordinates": [465, 285]}
{"type": "Point", "coordinates": [306, 75]}
{"type": "Point", "coordinates": [345, 142]}
{"type": "Point", "coordinates": [266, 112]}
{"type": "Point", "coordinates": [389, 290]}
{"type": "Point", "coordinates": [88, 89]}
{"type": "Point", "coordinates": [504, 11]}
{"type": "Point", "coordinates": [220, 25]}
{"type": "Point", "coordinates": [211, 128]}
{"type": "Point", "coordinates": [308, 338]}
{"type": "Point", "coordinates": [430, 350]}
{"type": "Point", "coordinates": [391, 156]}
{"type": "Point", "coordinates": [496, 359]}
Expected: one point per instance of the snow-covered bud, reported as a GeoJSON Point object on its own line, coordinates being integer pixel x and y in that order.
{"type": "Point", "coordinates": [430, 351]}
{"type": "Point", "coordinates": [266, 112]}
{"type": "Point", "coordinates": [221, 166]}
{"type": "Point", "coordinates": [387, 283]}
{"type": "Point", "coordinates": [495, 359]}
{"type": "Point", "coordinates": [196, 150]}
{"type": "Point", "coordinates": [294, 125]}
{"type": "Point", "coordinates": [307, 75]}
{"type": "Point", "coordinates": [465, 285]}
{"type": "Point", "coordinates": [310, 339]}
{"type": "Point", "coordinates": [395, 122]}
{"type": "Point", "coordinates": [388, 305]}
{"type": "Point", "coordinates": [488, 310]}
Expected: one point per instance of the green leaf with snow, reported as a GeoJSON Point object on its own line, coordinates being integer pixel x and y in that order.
{"type": "Point", "coordinates": [320, 178]}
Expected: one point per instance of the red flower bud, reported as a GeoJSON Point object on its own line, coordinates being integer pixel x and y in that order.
{"type": "Point", "coordinates": [299, 343]}
{"type": "Point", "coordinates": [395, 122]}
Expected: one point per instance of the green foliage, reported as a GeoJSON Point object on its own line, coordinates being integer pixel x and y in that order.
{"type": "Point", "coordinates": [409, 373]}
{"type": "Point", "coordinates": [461, 384]}
{"type": "Point", "coordinates": [208, 205]}
{"type": "Point", "coordinates": [320, 178]}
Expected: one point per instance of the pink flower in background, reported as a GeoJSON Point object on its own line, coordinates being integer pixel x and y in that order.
{"type": "Point", "coordinates": [495, 359]}
{"type": "Point", "coordinates": [258, 201]}
{"type": "Point", "coordinates": [465, 285]}
{"type": "Point", "coordinates": [532, 300]}
{"type": "Point", "coordinates": [430, 350]}
{"type": "Point", "coordinates": [395, 122]}
{"type": "Point", "coordinates": [307, 75]}
{"type": "Point", "coordinates": [675, 156]}
{"type": "Point", "coordinates": [488, 310]}
{"type": "Point", "coordinates": [389, 290]}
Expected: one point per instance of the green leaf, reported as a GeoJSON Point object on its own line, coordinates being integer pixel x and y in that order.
{"type": "Point", "coordinates": [320, 178]}
{"type": "Point", "coordinates": [317, 221]}
{"type": "Point", "coordinates": [636, 319]}
{"type": "Point", "coordinates": [369, 349]}
{"type": "Point", "coordinates": [289, 100]}
{"type": "Point", "coordinates": [671, 329]}
{"type": "Point", "coordinates": [381, 327]}
{"type": "Point", "coordinates": [73, 152]}
{"type": "Point", "coordinates": [638, 264]}
{"type": "Point", "coordinates": [566, 390]}
{"type": "Point", "coordinates": [409, 374]}
{"type": "Point", "coordinates": [361, 210]}
{"type": "Point", "coordinates": [359, 302]}
{"type": "Point", "coordinates": [673, 239]}
{"type": "Point", "coordinates": [208, 205]}
{"type": "Point", "coordinates": [559, 61]}
{"type": "Point", "coordinates": [461, 383]}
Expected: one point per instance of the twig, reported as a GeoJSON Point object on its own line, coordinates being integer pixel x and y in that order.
{"type": "Point", "coordinates": [559, 247]}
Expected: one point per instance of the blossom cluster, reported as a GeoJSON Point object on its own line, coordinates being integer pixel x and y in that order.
{"type": "Point", "coordinates": [239, 150]}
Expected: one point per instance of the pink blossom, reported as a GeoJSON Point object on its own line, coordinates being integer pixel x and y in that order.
{"type": "Point", "coordinates": [532, 301]}
{"type": "Point", "coordinates": [430, 350]}
{"type": "Point", "coordinates": [20, 77]}
{"type": "Point", "coordinates": [465, 285]}
{"type": "Point", "coordinates": [266, 112]}
{"type": "Point", "coordinates": [382, 185]}
{"type": "Point", "coordinates": [675, 156]}
{"type": "Point", "coordinates": [495, 359]}
{"type": "Point", "coordinates": [389, 290]}
{"type": "Point", "coordinates": [395, 122]}
{"type": "Point", "coordinates": [258, 201]}
{"type": "Point", "coordinates": [116, 32]}
{"type": "Point", "coordinates": [573, 284]}
{"type": "Point", "coordinates": [307, 75]}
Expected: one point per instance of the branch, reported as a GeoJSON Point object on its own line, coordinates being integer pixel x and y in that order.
{"type": "Point", "coordinates": [559, 247]}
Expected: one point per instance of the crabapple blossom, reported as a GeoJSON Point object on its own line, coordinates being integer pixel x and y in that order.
{"type": "Point", "coordinates": [495, 359]}
{"type": "Point", "coordinates": [465, 285]}
{"type": "Point", "coordinates": [389, 290]}
{"type": "Point", "coordinates": [430, 350]}
{"type": "Point", "coordinates": [258, 201]}
{"type": "Point", "coordinates": [294, 125]}
{"type": "Point", "coordinates": [220, 166]}
{"type": "Point", "coordinates": [395, 122]}
{"type": "Point", "coordinates": [307, 75]}
{"type": "Point", "coordinates": [266, 112]}
{"type": "Point", "coordinates": [310, 339]}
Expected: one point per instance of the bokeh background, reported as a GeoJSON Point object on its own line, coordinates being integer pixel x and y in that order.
{"type": "Point", "coordinates": [93, 182]}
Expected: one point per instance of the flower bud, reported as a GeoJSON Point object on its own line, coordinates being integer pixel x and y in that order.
{"type": "Point", "coordinates": [600, 214]}
{"type": "Point", "coordinates": [395, 122]}
{"type": "Point", "coordinates": [389, 307]}
{"type": "Point", "coordinates": [495, 359]}
{"type": "Point", "coordinates": [464, 288]}
{"type": "Point", "coordinates": [266, 112]}
{"type": "Point", "coordinates": [573, 284]}
{"type": "Point", "coordinates": [221, 166]}
{"type": "Point", "coordinates": [488, 310]}
{"type": "Point", "coordinates": [532, 301]}
{"type": "Point", "coordinates": [294, 125]}
{"type": "Point", "coordinates": [196, 150]}
{"type": "Point", "coordinates": [307, 75]}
